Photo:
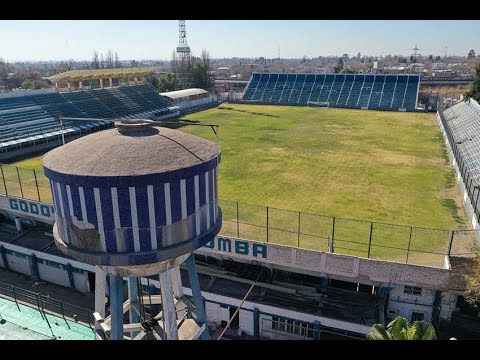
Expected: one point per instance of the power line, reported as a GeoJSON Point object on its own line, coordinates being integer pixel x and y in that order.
{"type": "Point", "coordinates": [239, 306]}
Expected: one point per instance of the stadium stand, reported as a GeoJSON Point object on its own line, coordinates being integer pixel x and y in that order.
{"type": "Point", "coordinates": [462, 126]}
{"type": "Point", "coordinates": [355, 91]}
{"type": "Point", "coordinates": [29, 120]}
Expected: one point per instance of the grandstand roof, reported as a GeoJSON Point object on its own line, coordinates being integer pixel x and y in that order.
{"type": "Point", "coordinates": [183, 93]}
{"type": "Point", "coordinates": [76, 75]}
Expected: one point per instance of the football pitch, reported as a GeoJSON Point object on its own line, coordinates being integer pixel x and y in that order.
{"type": "Point", "coordinates": [385, 167]}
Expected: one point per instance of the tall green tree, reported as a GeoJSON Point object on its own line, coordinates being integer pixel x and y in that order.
{"type": "Point", "coordinates": [200, 76]}
{"type": "Point", "coordinates": [474, 91]}
{"type": "Point", "coordinates": [339, 66]}
{"type": "Point", "coordinates": [4, 70]}
{"type": "Point", "coordinates": [400, 329]}
{"type": "Point", "coordinates": [167, 82]}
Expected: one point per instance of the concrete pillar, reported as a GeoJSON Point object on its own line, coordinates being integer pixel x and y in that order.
{"type": "Point", "coordinates": [176, 282]}
{"type": "Point", "coordinates": [4, 257]}
{"type": "Point", "coordinates": [133, 296]}
{"type": "Point", "coordinates": [69, 85]}
{"type": "Point", "coordinates": [80, 84]}
{"type": "Point", "coordinates": [33, 265]}
{"type": "Point", "coordinates": [116, 307]}
{"type": "Point", "coordinates": [56, 85]}
{"type": "Point", "coordinates": [111, 82]}
{"type": "Point", "coordinates": [100, 285]}
{"type": "Point", "coordinates": [101, 83]}
{"type": "Point", "coordinates": [256, 322]}
{"type": "Point", "coordinates": [168, 306]}
{"type": "Point", "coordinates": [197, 296]}
{"type": "Point", "coordinates": [316, 330]}
{"type": "Point", "coordinates": [18, 224]}
{"type": "Point", "coordinates": [136, 80]}
{"type": "Point", "coordinates": [71, 281]}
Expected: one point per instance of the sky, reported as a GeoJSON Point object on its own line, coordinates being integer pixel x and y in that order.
{"type": "Point", "coordinates": [30, 40]}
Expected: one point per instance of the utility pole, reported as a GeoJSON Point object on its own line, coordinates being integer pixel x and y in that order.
{"type": "Point", "coordinates": [415, 49]}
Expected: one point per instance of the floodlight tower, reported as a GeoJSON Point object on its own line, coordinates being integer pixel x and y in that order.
{"type": "Point", "coordinates": [135, 202]}
{"type": "Point", "coordinates": [184, 61]}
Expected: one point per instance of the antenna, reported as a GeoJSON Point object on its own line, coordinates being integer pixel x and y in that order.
{"type": "Point", "coordinates": [184, 63]}
{"type": "Point", "coordinates": [415, 49]}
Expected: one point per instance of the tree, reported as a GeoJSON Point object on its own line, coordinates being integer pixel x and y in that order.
{"type": "Point", "coordinates": [400, 329]}
{"type": "Point", "coordinates": [117, 63]}
{"type": "Point", "coordinates": [199, 76]}
{"type": "Point", "coordinates": [167, 82]}
{"type": "Point", "coordinates": [4, 70]}
{"type": "Point", "coordinates": [474, 92]}
{"type": "Point", "coordinates": [348, 71]}
{"type": "Point", "coordinates": [95, 62]}
{"type": "Point", "coordinates": [109, 59]}
{"type": "Point", "coordinates": [207, 68]}
{"type": "Point", "coordinates": [471, 54]}
{"type": "Point", "coordinates": [339, 66]}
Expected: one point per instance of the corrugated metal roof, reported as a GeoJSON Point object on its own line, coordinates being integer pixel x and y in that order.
{"type": "Point", "coordinates": [183, 93]}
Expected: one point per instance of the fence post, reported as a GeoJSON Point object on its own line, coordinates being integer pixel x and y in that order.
{"type": "Point", "coordinates": [451, 242]}
{"type": "Point", "coordinates": [333, 229]}
{"type": "Point", "coordinates": [4, 182]}
{"type": "Point", "coordinates": [267, 224]}
{"type": "Point", "coordinates": [15, 297]}
{"type": "Point", "coordinates": [408, 247]}
{"type": "Point", "coordinates": [238, 226]}
{"type": "Point", "coordinates": [370, 240]}
{"type": "Point", "coordinates": [63, 314]}
{"type": "Point", "coordinates": [19, 181]}
{"type": "Point", "coordinates": [38, 306]}
{"type": "Point", "coordinates": [298, 231]}
{"type": "Point", "coordinates": [36, 184]}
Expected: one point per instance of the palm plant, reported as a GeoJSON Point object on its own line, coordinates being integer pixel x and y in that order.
{"type": "Point", "coordinates": [400, 329]}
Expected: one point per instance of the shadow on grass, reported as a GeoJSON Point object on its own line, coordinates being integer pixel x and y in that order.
{"type": "Point", "coordinates": [248, 112]}
{"type": "Point", "coordinates": [176, 124]}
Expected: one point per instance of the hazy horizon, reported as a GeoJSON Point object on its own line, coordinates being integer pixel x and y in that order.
{"type": "Point", "coordinates": [57, 40]}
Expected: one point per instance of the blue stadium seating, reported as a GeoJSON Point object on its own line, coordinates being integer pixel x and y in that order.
{"type": "Point", "coordinates": [355, 91]}
{"type": "Point", "coordinates": [36, 116]}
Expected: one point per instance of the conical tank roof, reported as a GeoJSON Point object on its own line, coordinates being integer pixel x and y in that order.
{"type": "Point", "coordinates": [131, 149]}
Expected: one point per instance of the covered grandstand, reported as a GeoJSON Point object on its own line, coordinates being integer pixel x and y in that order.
{"type": "Point", "coordinates": [461, 126]}
{"type": "Point", "coordinates": [355, 91]}
{"type": "Point", "coordinates": [190, 98]}
{"type": "Point", "coordinates": [29, 119]}
{"type": "Point", "coordinates": [83, 77]}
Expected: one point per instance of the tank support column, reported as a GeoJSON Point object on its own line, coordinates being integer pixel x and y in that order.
{"type": "Point", "coordinates": [116, 307]}
{"type": "Point", "coordinates": [176, 282]}
{"type": "Point", "coordinates": [133, 296]}
{"type": "Point", "coordinates": [100, 285]}
{"type": "Point", "coordinates": [197, 296]}
{"type": "Point", "coordinates": [168, 307]}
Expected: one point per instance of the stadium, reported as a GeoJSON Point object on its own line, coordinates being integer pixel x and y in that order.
{"type": "Point", "coordinates": [341, 200]}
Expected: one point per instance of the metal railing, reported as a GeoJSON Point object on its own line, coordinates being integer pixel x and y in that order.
{"type": "Point", "coordinates": [46, 304]}
{"type": "Point", "coordinates": [362, 238]}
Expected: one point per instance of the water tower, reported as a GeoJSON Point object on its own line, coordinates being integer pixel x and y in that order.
{"type": "Point", "coordinates": [136, 201]}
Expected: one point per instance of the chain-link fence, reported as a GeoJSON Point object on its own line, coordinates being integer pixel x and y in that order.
{"type": "Point", "coordinates": [344, 236]}
{"type": "Point", "coordinates": [299, 229]}
{"type": "Point", "coordinates": [24, 183]}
